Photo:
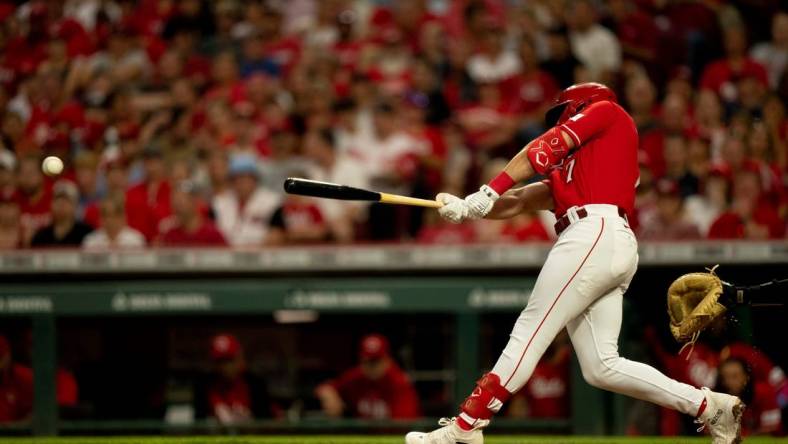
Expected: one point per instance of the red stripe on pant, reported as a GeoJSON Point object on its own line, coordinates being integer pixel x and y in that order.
{"type": "Point", "coordinates": [554, 302]}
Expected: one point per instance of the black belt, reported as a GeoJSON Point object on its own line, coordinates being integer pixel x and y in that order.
{"type": "Point", "coordinates": [563, 222]}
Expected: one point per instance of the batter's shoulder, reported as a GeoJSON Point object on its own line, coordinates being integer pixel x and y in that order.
{"type": "Point", "coordinates": [611, 109]}
{"type": "Point", "coordinates": [615, 112]}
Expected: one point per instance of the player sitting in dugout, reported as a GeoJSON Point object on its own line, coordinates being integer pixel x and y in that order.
{"type": "Point", "coordinates": [374, 389]}
{"type": "Point", "coordinates": [763, 416]}
{"type": "Point", "coordinates": [233, 395]}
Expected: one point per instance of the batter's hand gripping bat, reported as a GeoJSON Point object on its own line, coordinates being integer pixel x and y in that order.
{"type": "Point", "coordinates": [327, 190]}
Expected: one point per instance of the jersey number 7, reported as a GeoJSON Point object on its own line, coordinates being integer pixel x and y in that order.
{"type": "Point", "coordinates": [569, 167]}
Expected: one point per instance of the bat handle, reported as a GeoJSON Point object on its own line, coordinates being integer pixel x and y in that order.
{"type": "Point", "coordinates": [405, 200]}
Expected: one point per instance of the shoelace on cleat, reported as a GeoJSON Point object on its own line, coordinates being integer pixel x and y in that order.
{"type": "Point", "coordinates": [443, 422]}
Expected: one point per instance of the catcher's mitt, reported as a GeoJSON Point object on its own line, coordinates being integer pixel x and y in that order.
{"type": "Point", "coordinates": [693, 303]}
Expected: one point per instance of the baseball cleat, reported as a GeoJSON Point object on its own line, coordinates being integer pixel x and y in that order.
{"type": "Point", "coordinates": [722, 417]}
{"type": "Point", "coordinates": [449, 433]}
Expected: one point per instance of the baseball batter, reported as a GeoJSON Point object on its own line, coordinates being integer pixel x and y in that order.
{"type": "Point", "coordinates": [589, 159]}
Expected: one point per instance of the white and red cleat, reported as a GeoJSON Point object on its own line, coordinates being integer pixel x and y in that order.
{"type": "Point", "coordinates": [449, 433]}
{"type": "Point", "coordinates": [722, 417]}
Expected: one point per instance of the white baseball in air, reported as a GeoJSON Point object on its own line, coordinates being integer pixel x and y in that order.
{"type": "Point", "coordinates": [52, 166]}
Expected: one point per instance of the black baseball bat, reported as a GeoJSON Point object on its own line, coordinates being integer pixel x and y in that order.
{"type": "Point", "coordinates": [328, 190]}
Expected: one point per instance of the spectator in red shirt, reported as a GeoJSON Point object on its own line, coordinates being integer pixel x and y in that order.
{"type": "Point", "coordinates": [16, 387]}
{"type": "Point", "coordinates": [377, 388]}
{"type": "Point", "coordinates": [229, 396]}
{"type": "Point", "coordinates": [280, 47]}
{"type": "Point", "coordinates": [35, 199]}
{"type": "Point", "coordinates": [668, 222]}
{"type": "Point", "coordinates": [148, 203]}
{"type": "Point", "coordinates": [188, 226]}
{"type": "Point", "coordinates": [637, 32]}
{"type": "Point", "coordinates": [720, 76]}
{"type": "Point", "coordinates": [547, 394]}
{"type": "Point", "coordinates": [673, 121]}
{"type": "Point", "coordinates": [493, 62]}
{"type": "Point", "coordinates": [762, 416]}
{"type": "Point", "coordinates": [390, 60]}
{"type": "Point", "coordinates": [749, 216]}
{"type": "Point", "coordinates": [490, 123]}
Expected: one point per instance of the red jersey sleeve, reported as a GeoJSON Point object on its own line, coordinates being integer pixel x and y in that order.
{"type": "Point", "coordinates": [590, 122]}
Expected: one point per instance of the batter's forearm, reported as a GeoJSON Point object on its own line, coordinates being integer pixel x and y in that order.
{"type": "Point", "coordinates": [539, 156]}
{"type": "Point", "coordinates": [507, 206]}
{"type": "Point", "coordinates": [520, 168]}
{"type": "Point", "coordinates": [532, 197]}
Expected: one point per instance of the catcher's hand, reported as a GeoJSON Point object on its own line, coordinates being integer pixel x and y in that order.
{"type": "Point", "coordinates": [694, 301]}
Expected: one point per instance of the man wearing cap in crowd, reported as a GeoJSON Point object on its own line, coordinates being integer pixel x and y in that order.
{"type": "Point", "coordinates": [243, 211]}
{"type": "Point", "coordinates": [188, 226]}
{"type": "Point", "coordinates": [65, 229]}
{"type": "Point", "coordinates": [376, 388]}
{"type": "Point", "coordinates": [16, 387]}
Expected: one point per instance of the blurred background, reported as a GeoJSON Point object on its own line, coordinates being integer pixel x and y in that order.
{"type": "Point", "coordinates": [163, 282]}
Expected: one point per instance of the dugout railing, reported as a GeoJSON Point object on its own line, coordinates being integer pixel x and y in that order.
{"type": "Point", "coordinates": [464, 282]}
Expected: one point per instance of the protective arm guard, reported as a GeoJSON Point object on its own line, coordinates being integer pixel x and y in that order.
{"type": "Point", "coordinates": [547, 150]}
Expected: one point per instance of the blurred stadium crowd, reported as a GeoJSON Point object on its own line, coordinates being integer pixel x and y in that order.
{"type": "Point", "coordinates": [179, 119]}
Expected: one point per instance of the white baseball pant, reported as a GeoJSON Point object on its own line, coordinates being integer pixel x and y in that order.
{"type": "Point", "coordinates": [581, 287]}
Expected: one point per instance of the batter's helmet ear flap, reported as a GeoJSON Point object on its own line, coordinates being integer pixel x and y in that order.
{"type": "Point", "coordinates": [553, 114]}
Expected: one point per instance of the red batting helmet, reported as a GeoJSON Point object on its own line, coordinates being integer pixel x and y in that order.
{"type": "Point", "coordinates": [574, 99]}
